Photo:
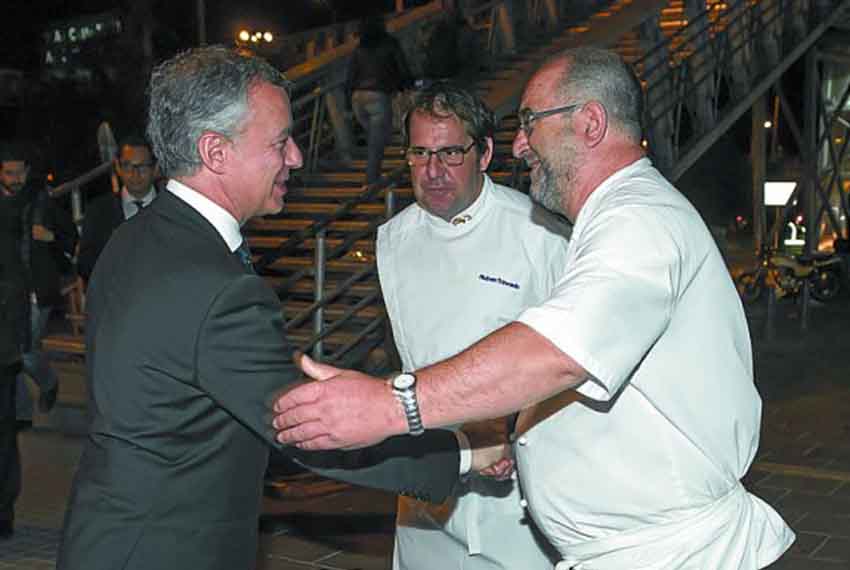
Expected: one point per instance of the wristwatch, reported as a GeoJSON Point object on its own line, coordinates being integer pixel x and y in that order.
{"type": "Point", "coordinates": [404, 388]}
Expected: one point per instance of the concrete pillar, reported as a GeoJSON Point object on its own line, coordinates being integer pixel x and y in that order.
{"type": "Point", "coordinates": [506, 28]}
{"type": "Point", "coordinates": [758, 157]}
{"type": "Point", "coordinates": [551, 13]}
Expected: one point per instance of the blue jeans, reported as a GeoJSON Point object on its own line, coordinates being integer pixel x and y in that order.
{"type": "Point", "coordinates": [374, 111]}
{"type": "Point", "coordinates": [34, 363]}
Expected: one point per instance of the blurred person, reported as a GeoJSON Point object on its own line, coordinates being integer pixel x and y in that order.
{"type": "Point", "coordinates": [186, 346]}
{"type": "Point", "coordinates": [44, 236]}
{"type": "Point", "coordinates": [376, 72]}
{"type": "Point", "coordinates": [13, 322]}
{"type": "Point", "coordinates": [137, 171]}
{"type": "Point", "coordinates": [466, 257]}
{"type": "Point", "coordinates": [638, 466]}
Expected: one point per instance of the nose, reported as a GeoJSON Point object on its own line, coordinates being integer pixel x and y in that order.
{"type": "Point", "coordinates": [292, 155]}
{"type": "Point", "coordinates": [434, 168]}
{"type": "Point", "coordinates": [520, 144]}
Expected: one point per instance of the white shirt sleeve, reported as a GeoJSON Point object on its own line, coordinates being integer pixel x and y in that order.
{"type": "Point", "coordinates": [615, 298]}
{"type": "Point", "coordinates": [465, 452]}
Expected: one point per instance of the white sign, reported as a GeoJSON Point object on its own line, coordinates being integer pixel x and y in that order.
{"type": "Point", "coordinates": [777, 193]}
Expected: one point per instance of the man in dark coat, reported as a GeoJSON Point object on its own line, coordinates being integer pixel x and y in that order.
{"type": "Point", "coordinates": [186, 346]}
{"type": "Point", "coordinates": [136, 169]}
{"type": "Point", "coordinates": [41, 236]}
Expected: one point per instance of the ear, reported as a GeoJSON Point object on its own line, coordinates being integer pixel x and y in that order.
{"type": "Point", "coordinates": [214, 150]}
{"type": "Point", "coordinates": [594, 123]}
{"type": "Point", "coordinates": [487, 156]}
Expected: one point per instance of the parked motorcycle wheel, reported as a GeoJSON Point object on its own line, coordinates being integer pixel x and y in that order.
{"type": "Point", "coordinates": [826, 284]}
{"type": "Point", "coordinates": [750, 287]}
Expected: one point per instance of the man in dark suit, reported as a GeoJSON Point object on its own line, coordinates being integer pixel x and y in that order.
{"type": "Point", "coordinates": [186, 347]}
{"type": "Point", "coordinates": [136, 169]}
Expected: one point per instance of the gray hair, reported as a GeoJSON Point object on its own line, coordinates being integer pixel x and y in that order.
{"type": "Point", "coordinates": [199, 90]}
{"type": "Point", "coordinates": [602, 75]}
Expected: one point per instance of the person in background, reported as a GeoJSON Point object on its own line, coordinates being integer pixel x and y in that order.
{"type": "Point", "coordinates": [137, 170]}
{"type": "Point", "coordinates": [466, 257]}
{"type": "Point", "coordinates": [377, 71]}
{"type": "Point", "coordinates": [46, 239]}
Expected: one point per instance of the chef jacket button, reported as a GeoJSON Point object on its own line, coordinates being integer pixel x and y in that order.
{"type": "Point", "coordinates": [523, 503]}
{"type": "Point", "coordinates": [522, 440]}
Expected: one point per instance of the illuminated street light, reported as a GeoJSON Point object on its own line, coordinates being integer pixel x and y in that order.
{"type": "Point", "coordinates": [768, 124]}
{"type": "Point", "coordinates": [247, 36]}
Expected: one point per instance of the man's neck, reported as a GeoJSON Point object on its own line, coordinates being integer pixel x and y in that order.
{"type": "Point", "coordinates": [607, 162]}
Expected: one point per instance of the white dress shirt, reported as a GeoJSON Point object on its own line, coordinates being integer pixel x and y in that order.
{"type": "Point", "coordinates": [642, 470]}
{"type": "Point", "coordinates": [128, 202]}
{"type": "Point", "coordinates": [225, 224]}
{"type": "Point", "coordinates": [447, 285]}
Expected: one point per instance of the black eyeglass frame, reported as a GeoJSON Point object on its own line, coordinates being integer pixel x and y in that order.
{"type": "Point", "coordinates": [527, 117]}
{"type": "Point", "coordinates": [440, 152]}
{"type": "Point", "coordinates": [138, 168]}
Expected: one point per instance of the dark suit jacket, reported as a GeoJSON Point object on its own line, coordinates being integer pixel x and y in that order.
{"type": "Point", "coordinates": [185, 354]}
{"type": "Point", "coordinates": [103, 215]}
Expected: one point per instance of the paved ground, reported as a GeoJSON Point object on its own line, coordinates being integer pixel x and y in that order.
{"type": "Point", "coordinates": [803, 466]}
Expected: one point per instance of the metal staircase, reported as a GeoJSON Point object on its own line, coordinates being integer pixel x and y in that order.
{"type": "Point", "coordinates": [702, 62]}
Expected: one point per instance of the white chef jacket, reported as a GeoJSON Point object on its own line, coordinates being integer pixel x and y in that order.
{"type": "Point", "coordinates": [447, 285]}
{"type": "Point", "coordinates": [643, 470]}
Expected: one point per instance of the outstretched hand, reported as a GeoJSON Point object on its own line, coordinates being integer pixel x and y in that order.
{"type": "Point", "coordinates": [344, 409]}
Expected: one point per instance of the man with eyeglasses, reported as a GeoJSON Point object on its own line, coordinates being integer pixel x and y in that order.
{"type": "Point", "coordinates": [639, 415]}
{"type": "Point", "coordinates": [137, 170]}
{"type": "Point", "coordinates": [468, 256]}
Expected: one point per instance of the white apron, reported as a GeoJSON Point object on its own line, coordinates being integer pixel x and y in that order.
{"type": "Point", "coordinates": [446, 286]}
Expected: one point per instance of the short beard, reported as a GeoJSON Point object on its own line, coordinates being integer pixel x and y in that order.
{"type": "Point", "coordinates": [545, 190]}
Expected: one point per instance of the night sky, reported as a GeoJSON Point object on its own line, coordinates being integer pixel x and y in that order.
{"type": "Point", "coordinates": [24, 20]}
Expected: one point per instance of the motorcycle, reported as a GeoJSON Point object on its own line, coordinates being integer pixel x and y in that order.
{"type": "Point", "coordinates": [787, 275]}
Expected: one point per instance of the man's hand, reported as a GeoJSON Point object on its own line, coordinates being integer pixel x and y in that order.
{"type": "Point", "coordinates": [491, 449]}
{"type": "Point", "coordinates": [41, 233]}
{"type": "Point", "coordinates": [344, 410]}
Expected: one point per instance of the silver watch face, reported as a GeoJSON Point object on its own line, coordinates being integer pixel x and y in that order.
{"type": "Point", "coordinates": [404, 381]}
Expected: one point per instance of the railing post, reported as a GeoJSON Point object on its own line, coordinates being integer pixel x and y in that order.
{"type": "Point", "coordinates": [335, 106]}
{"type": "Point", "coordinates": [389, 203]}
{"type": "Point", "coordinates": [319, 292]}
{"type": "Point", "coordinates": [77, 208]}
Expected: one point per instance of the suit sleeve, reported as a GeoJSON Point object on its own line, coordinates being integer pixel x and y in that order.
{"type": "Point", "coordinates": [243, 361]}
{"type": "Point", "coordinates": [91, 242]}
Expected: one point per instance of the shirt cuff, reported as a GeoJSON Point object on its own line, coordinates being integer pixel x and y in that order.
{"type": "Point", "coordinates": [465, 452]}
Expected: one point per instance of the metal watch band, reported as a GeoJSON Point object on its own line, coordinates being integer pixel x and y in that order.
{"type": "Point", "coordinates": [410, 405]}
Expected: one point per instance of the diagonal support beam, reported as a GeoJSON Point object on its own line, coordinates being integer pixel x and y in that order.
{"type": "Point", "coordinates": [690, 155]}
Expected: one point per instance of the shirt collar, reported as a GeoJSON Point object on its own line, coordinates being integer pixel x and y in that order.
{"type": "Point", "coordinates": [126, 198]}
{"type": "Point", "coordinates": [469, 217]}
{"type": "Point", "coordinates": [224, 223]}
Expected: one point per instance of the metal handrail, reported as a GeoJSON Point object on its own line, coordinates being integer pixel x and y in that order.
{"type": "Point", "coordinates": [696, 61]}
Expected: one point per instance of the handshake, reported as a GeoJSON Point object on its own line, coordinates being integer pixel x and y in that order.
{"type": "Point", "coordinates": [491, 448]}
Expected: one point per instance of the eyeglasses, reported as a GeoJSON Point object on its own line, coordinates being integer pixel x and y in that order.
{"type": "Point", "coordinates": [527, 116]}
{"type": "Point", "coordinates": [139, 168]}
{"type": "Point", "coordinates": [448, 155]}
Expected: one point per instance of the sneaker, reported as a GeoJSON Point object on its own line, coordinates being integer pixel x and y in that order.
{"type": "Point", "coordinates": [47, 399]}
